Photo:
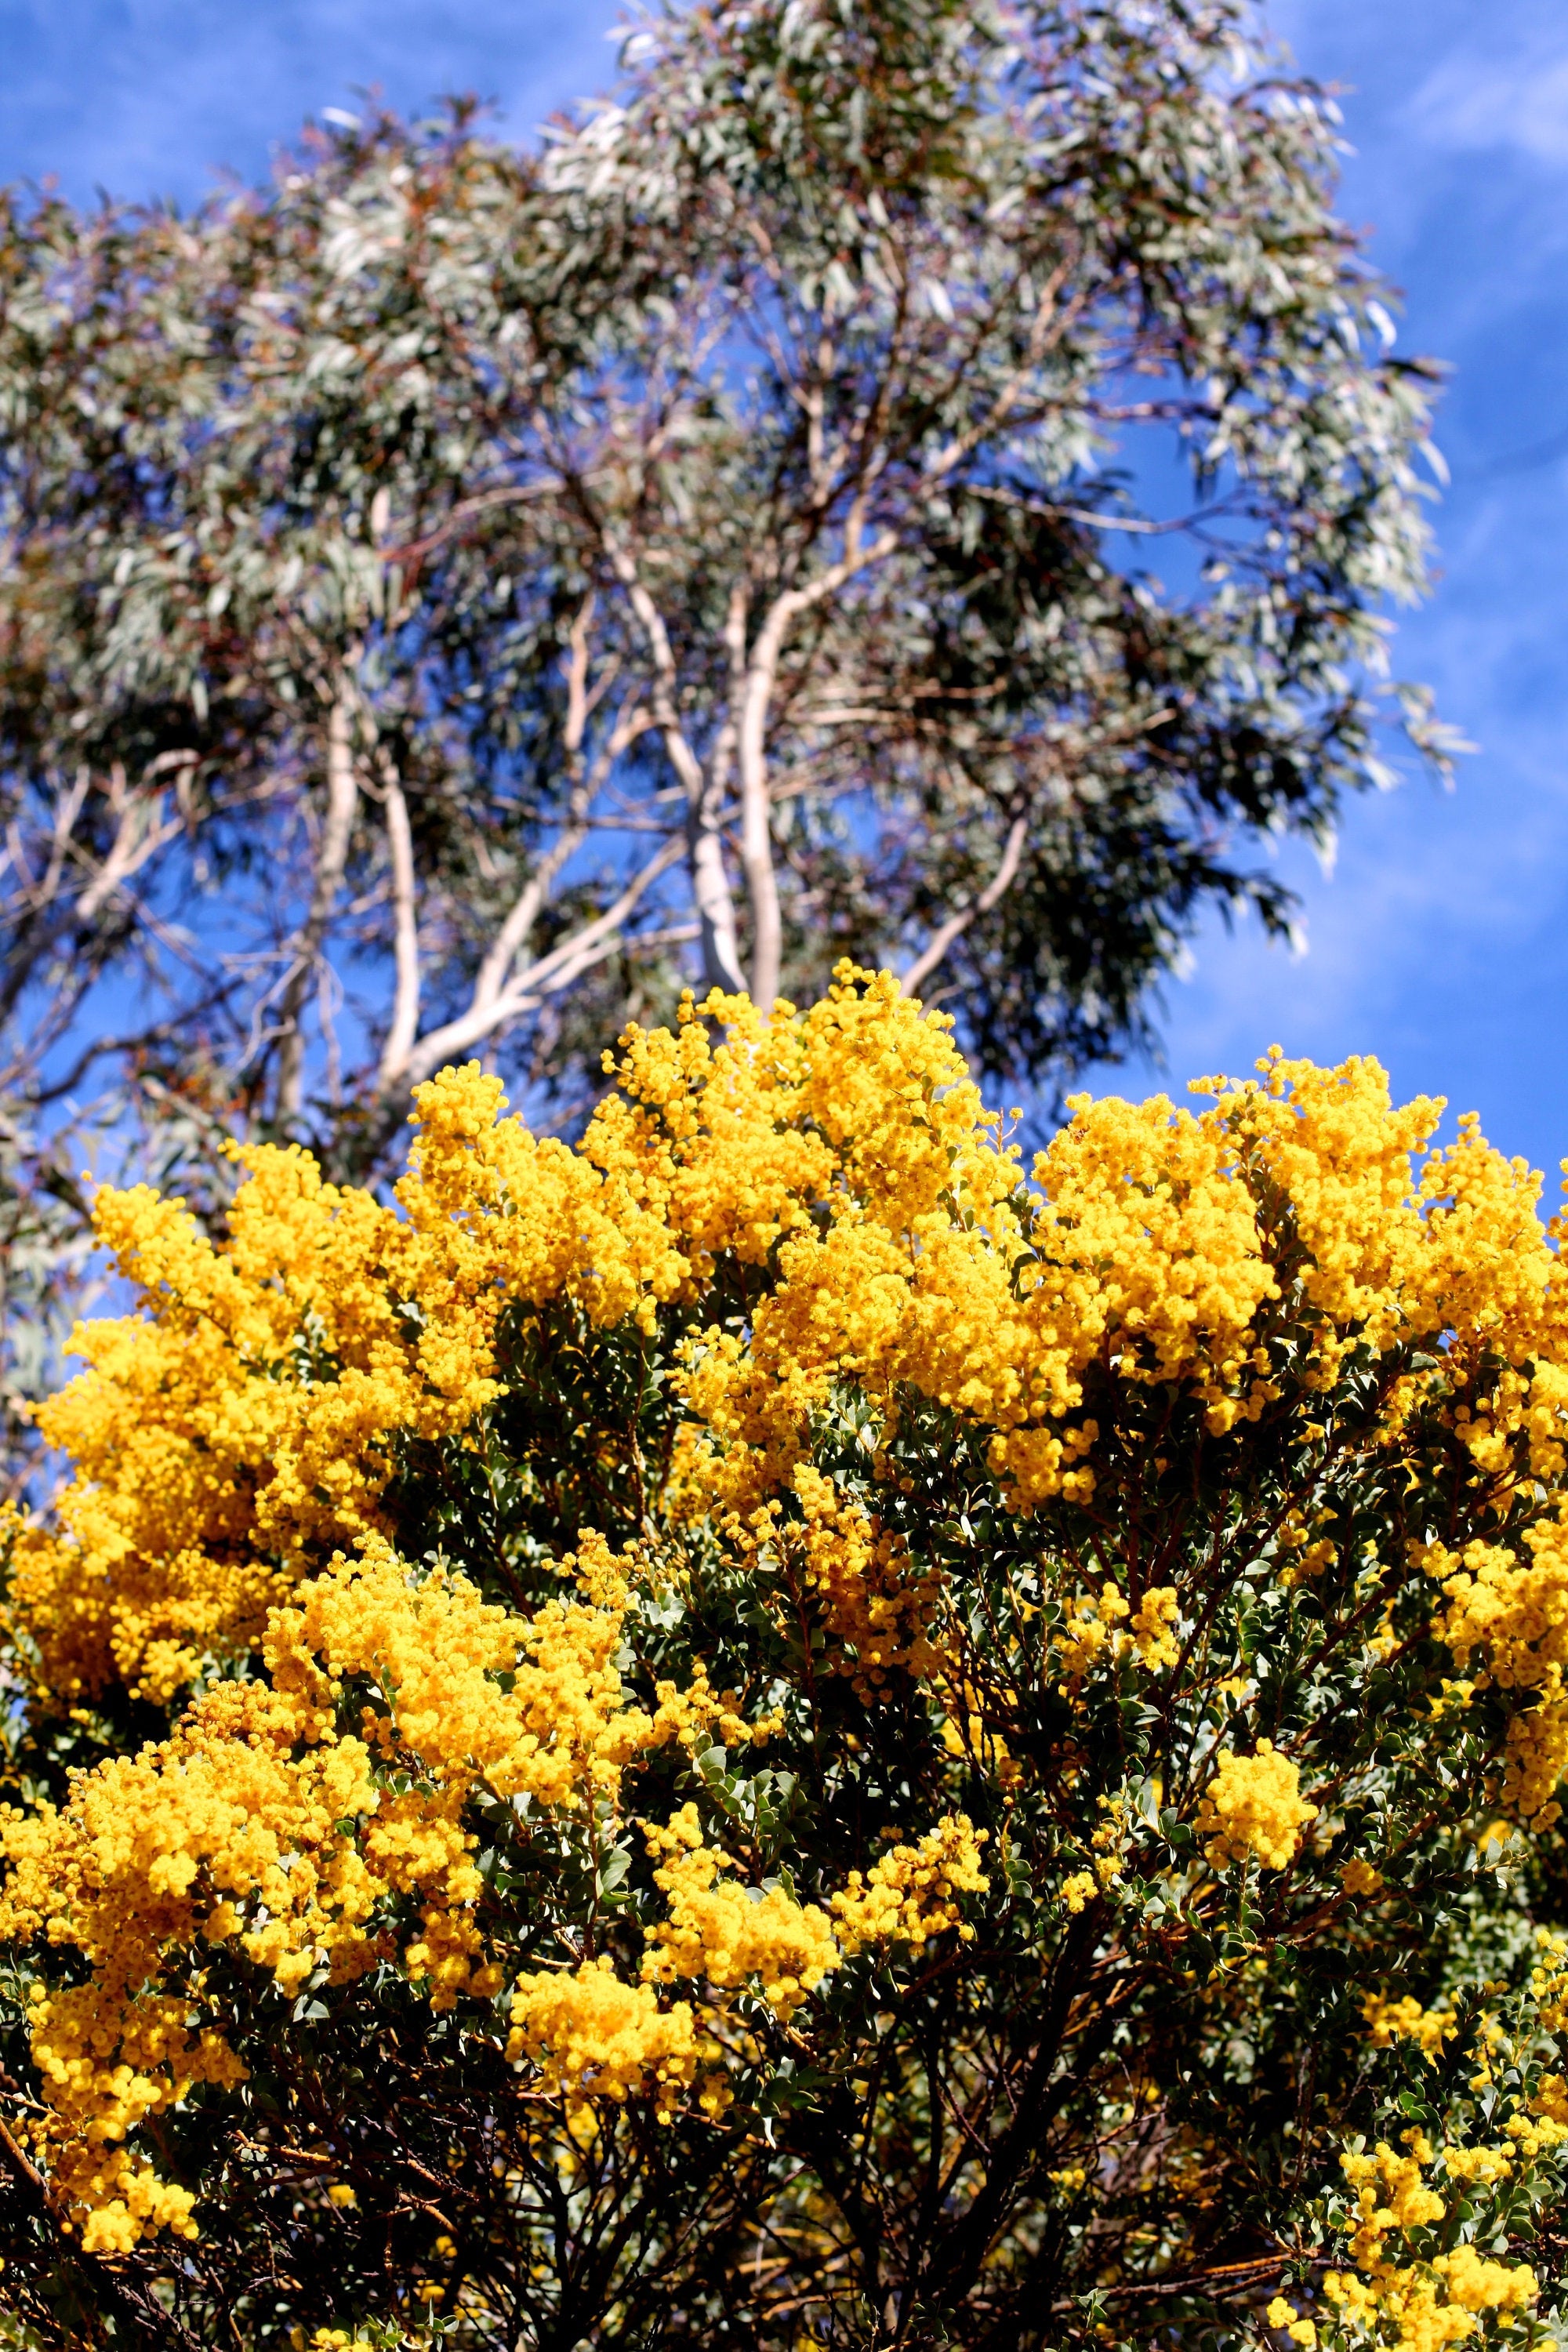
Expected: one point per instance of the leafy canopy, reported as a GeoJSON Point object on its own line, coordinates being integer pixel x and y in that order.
{"type": "Point", "coordinates": [911, 480]}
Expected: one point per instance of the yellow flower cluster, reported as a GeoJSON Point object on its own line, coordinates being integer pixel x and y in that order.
{"type": "Point", "coordinates": [1391, 2194]}
{"type": "Point", "coordinates": [934, 1270]}
{"type": "Point", "coordinates": [1091, 1631]}
{"type": "Point", "coordinates": [1154, 1627]}
{"type": "Point", "coordinates": [145, 1862]}
{"type": "Point", "coordinates": [1544, 2127]}
{"type": "Point", "coordinates": [875, 1608]}
{"type": "Point", "coordinates": [1513, 1611]}
{"type": "Point", "coordinates": [1281, 2314]}
{"type": "Point", "coordinates": [242, 1424]}
{"type": "Point", "coordinates": [1405, 2020]}
{"type": "Point", "coordinates": [1088, 1631]}
{"type": "Point", "coordinates": [1254, 1806]}
{"type": "Point", "coordinates": [261, 1825]}
{"type": "Point", "coordinates": [911, 1893]}
{"type": "Point", "coordinates": [232, 1440]}
{"type": "Point", "coordinates": [1549, 1981]}
{"type": "Point", "coordinates": [729, 1935]}
{"type": "Point", "coordinates": [1420, 2306]}
{"type": "Point", "coordinates": [591, 2036]}
{"type": "Point", "coordinates": [240, 1427]}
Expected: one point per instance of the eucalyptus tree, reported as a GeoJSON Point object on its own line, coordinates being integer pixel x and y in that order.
{"type": "Point", "coordinates": [913, 479]}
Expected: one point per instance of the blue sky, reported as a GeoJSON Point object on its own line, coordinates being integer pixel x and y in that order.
{"type": "Point", "coordinates": [1440, 940]}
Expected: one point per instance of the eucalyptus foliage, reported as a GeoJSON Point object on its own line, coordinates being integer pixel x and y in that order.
{"type": "Point", "coordinates": [913, 479]}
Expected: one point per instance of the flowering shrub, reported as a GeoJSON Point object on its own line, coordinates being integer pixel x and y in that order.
{"type": "Point", "coordinates": [777, 1729]}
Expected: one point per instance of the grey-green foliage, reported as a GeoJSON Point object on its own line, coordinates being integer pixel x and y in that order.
{"type": "Point", "coordinates": [908, 479]}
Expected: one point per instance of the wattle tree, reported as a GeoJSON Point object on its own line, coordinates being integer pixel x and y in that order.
{"type": "Point", "coordinates": [776, 1730]}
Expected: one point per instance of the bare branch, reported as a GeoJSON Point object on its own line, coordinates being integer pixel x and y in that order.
{"type": "Point", "coordinates": [512, 937]}
{"type": "Point", "coordinates": [138, 837]}
{"type": "Point", "coordinates": [66, 816]}
{"type": "Point", "coordinates": [941, 940]}
{"type": "Point", "coordinates": [404, 1025]}
{"type": "Point", "coordinates": [756, 828]}
{"type": "Point", "coordinates": [342, 800]}
{"type": "Point", "coordinates": [705, 848]}
{"type": "Point", "coordinates": [540, 978]}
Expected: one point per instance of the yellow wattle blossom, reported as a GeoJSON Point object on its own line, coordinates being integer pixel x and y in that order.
{"type": "Point", "coordinates": [1091, 1631]}
{"type": "Point", "coordinates": [590, 2035]}
{"type": "Point", "coordinates": [261, 1825]}
{"type": "Point", "coordinates": [1281, 2314]}
{"type": "Point", "coordinates": [733, 1935]}
{"type": "Point", "coordinates": [1544, 2124]}
{"type": "Point", "coordinates": [1153, 1626]}
{"type": "Point", "coordinates": [322, 1809]}
{"type": "Point", "coordinates": [1254, 1806]}
{"type": "Point", "coordinates": [1391, 2193]}
{"type": "Point", "coordinates": [242, 1426]}
{"type": "Point", "coordinates": [1513, 1612]}
{"type": "Point", "coordinates": [1483, 2164]}
{"type": "Point", "coordinates": [912, 1893]}
{"type": "Point", "coordinates": [875, 1606]}
{"type": "Point", "coordinates": [1420, 2305]}
{"type": "Point", "coordinates": [1404, 2020]}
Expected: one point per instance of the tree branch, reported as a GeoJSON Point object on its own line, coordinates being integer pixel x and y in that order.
{"type": "Point", "coordinates": [104, 2293]}
{"type": "Point", "coordinates": [342, 800]}
{"type": "Point", "coordinates": [547, 977]}
{"type": "Point", "coordinates": [404, 1025]}
{"type": "Point", "coordinates": [132, 847]}
{"type": "Point", "coordinates": [66, 816]}
{"type": "Point", "coordinates": [756, 827]}
{"type": "Point", "coordinates": [705, 849]}
{"type": "Point", "coordinates": [513, 934]}
{"type": "Point", "coordinates": [943, 937]}
{"type": "Point", "coordinates": [499, 996]}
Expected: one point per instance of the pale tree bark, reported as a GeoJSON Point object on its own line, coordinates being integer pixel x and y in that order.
{"type": "Point", "coordinates": [756, 813]}
{"type": "Point", "coordinates": [507, 986]}
{"type": "Point", "coordinates": [527, 908]}
{"type": "Point", "coordinates": [331, 861]}
{"type": "Point", "coordinates": [66, 815]}
{"type": "Point", "coordinates": [756, 804]}
{"type": "Point", "coordinates": [704, 843]}
{"type": "Point", "coordinates": [140, 832]}
{"type": "Point", "coordinates": [546, 977]}
{"type": "Point", "coordinates": [943, 937]}
{"type": "Point", "coordinates": [404, 1025]}
{"type": "Point", "coordinates": [710, 894]}
{"type": "Point", "coordinates": [502, 992]}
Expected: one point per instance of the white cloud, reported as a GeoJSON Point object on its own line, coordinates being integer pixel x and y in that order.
{"type": "Point", "coordinates": [1521, 101]}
